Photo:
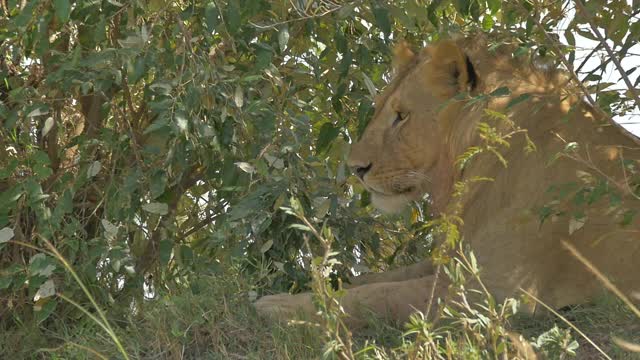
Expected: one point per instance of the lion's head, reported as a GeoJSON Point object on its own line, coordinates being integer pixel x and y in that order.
{"type": "Point", "coordinates": [403, 150]}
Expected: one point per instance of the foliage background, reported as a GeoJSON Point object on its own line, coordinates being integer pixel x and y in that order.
{"type": "Point", "coordinates": [153, 143]}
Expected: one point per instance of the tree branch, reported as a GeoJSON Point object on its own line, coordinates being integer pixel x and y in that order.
{"type": "Point", "coordinates": [612, 55]}
{"type": "Point", "coordinates": [91, 107]}
{"type": "Point", "coordinates": [585, 91]}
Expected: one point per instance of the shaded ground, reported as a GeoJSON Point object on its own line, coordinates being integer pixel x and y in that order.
{"type": "Point", "coordinates": [219, 323]}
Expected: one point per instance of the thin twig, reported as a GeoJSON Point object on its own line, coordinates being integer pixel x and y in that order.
{"type": "Point", "coordinates": [582, 86]}
{"type": "Point", "coordinates": [612, 55]}
{"type": "Point", "coordinates": [201, 224]}
{"type": "Point", "coordinates": [306, 17]}
{"type": "Point", "coordinates": [588, 57]}
{"type": "Point", "coordinates": [81, 347]}
{"type": "Point", "coordinates": [436, 277]}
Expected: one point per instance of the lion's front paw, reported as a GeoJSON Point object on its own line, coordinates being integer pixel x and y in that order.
{"type": "Point", "coordinates": [285, 306]}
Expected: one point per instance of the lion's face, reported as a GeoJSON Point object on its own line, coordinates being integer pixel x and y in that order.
{"type": "Point", "coordinates": [399, 149]}
{"type": "Point", "coordinates": [398, 156]}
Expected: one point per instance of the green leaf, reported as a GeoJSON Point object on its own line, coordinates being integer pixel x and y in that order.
{"type": "Point", "coordinates": [41, 265]}
{"type": "Point", "coordinates": [345, 65]}
{"type": "Point", "coordinates": [24, 17]}
{"type": "Point", "coordinates": [400, 14]}
{"type": "Point", "coordinates": [346, 11]}
{"type": "Point", "coordinates": [159, 123]}
{"type": "Point", "coordinates": [62, 10]}
{"type": "Point", "coordinates": [463, 6]}
{"type": "Point", "coordinates": [44, 311]}
{"type": "Point", "coordinates": [627, 217]}
{"type": "Point", "coordinates": [518, 99]}
{"type": "Point", "coordinates": [65, 204]}
{"type": "Point", "coordinates": [10, 196]}
{"type": "Point", "coordinates": [5, 282]}
{"type": "Point", "coordinates": [263, 57]}
{"type": "Point", "coordinates": [136, 70]}
{"type": "Point", "coordinates": [158, 183]}
{"type": "Point", "coordinates": [186, 255]}
{"type": "Point", "coordinates": [487, 22]}
{"type": "Point", "coordinates": [227, 132]}
{"type": "Point", "coordinates": [571, 40]}
{"type": "Point", "coordinates": [165, 249]}
{"type": "Point", "coordinates": [381, 16]}
{"type": "Point", "coordinates": [494, 6]}
{"type": "Point", "coordinates": [328, 133]}
{"type": "Point", "coordinates": [340, 41]}
{"type": "Point", "coordinates": [211, 16]}
{"type": "Point", "coordinates": [432, 11]}
{"type": "Point", "coordinates": [501, 91]}
{"type": "Point", "coordinates": [365, 113]}
{"type": "Point", "coordinates": [266, 246]}
{"type": "Point", "coordinates": [474, 10]}
{"type": "Point", "coordinates": [233, 17]}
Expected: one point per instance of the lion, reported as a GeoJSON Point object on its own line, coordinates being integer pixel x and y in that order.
{"type": "Point", "coordinates": [424, 125]}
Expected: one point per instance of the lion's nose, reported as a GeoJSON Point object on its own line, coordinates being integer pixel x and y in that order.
{"type": "Point", "coordinates": [361, 171]}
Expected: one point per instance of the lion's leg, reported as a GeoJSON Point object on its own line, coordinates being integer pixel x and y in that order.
{"type": "Point", "coordinates": [417, 270]}
{"type": "Point", "coordinates": [390, 300]}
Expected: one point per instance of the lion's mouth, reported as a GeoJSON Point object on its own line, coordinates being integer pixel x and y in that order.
{"type": "Point", "coordinates": [392, 202]}
{"type": "Point", "coordinates": [398, 189]}
{"type": "Point", "coordinates": [393, 190]}
{"type": "Point", "coordinates": [407, 190]}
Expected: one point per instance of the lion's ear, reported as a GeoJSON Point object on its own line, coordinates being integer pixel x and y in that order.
{"type": "Point", "coordinates": [402, 56]}
{"type": "Point", "coordinates": [450, 71]}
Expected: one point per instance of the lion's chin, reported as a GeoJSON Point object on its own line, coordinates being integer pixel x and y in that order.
{"type": "Point", "coordinates": [390, 203]}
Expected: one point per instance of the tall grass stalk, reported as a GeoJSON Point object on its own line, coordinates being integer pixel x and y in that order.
{"type": "Point", "coordinates": [102, 322]}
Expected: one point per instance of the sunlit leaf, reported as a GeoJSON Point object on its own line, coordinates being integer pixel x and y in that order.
{"type": "Point", "coordinates": [94, 169]}
{"type": "Point", "coordinates": [369, 85]}
{"type": "Point", "coordinates": [238, 97]}
{"type": "Point", "coordinates": [6, 234]}
{"type": "Point", "coordinates": [156, 208]}
{"type": "Point", "coordinates": [246, 167]}
{"type": "Point", "coordinates": [48, 125]}
{"type": "Point", "coordinates": [283, 37]}
{"type": "Point", "coordinates": [266, 246]}
{"type": "Point", "coordinates": [46, 290]}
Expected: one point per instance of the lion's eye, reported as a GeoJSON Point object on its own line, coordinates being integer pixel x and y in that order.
{"type": "Point", "coordinates": [399, 117]}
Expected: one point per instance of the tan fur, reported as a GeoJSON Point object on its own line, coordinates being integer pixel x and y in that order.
{"type": "Point", "coordinates": [501, 221]}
